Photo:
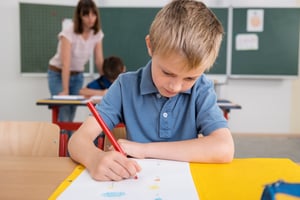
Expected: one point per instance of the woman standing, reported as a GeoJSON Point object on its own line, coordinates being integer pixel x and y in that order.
{"type": "Point", "coordinates": [76, 45]}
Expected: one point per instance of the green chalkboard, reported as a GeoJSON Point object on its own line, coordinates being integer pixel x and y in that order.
{"type": "Point", "coordinates": [124, 34]}
{"type": "Point", "coordinates": [125, 30]}
{"type": "Point", "coordinates": [39, 26]}
{"type": "Point", "coordinates": [278, 46]}
{"type": "Point", "coordinates": [219, 67]}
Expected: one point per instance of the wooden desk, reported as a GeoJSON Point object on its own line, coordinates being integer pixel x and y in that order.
{"type": "Point", "coordinates": [38, 177]}
{"type": "Point", "coordinates": [54, 105]}
{"type": "Point", "coordinates": [32, 177]}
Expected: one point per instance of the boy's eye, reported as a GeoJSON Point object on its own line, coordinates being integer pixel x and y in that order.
{"type": "Point", "coordinates": [172, 75]}
{"type": "Point", "coordinates": [190, 79]}
{"type": "Point", "coordinates": [167, 73]}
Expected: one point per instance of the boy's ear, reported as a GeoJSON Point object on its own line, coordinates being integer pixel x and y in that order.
{"type": "Point", "coordinates": [148, 44]}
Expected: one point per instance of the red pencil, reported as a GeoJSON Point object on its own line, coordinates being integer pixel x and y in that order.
{"type": "Point", "coordinates": [105, 129]}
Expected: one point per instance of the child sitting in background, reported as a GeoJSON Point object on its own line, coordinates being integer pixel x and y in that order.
{"type": "Point", "coordinates": [112, 67]}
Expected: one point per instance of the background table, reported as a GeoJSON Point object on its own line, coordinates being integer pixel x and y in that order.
{"type": "Point", "coordinates": [54, 105]}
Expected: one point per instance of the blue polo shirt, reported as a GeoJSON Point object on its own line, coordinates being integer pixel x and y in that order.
{"type": "Point", "coordinates": [150, 117]}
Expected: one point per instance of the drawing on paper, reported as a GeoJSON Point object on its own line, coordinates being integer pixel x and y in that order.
{"type": "Point", "coordinates": [158, 180]}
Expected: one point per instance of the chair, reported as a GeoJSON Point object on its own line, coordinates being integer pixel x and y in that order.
{"type": "Point", "coordinates": [26, 138]}
{"type": "Point", "coordinates": [119, 133]}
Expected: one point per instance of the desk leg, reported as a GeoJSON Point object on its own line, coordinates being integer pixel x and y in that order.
{"type": "Point", "coordinates": [63, 139]}
{"type": "Point", "coordinates": [226, 113]}
{"type": "Point", "coordinates": [54, 114]}
{"type": "Point", "coordinates": [63, 144]}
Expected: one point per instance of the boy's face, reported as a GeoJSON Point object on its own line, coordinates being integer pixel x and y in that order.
{"type": "Point", "coordinates": [171, 75]}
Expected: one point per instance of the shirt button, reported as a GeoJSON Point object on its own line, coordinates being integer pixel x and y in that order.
{"type": "Point", "coordinates": [158, 96]}
{"type": "Point", "coordinates": [165, 115]}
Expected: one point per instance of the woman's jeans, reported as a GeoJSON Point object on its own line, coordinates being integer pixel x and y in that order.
{"type": "Point", "coordinates": [66, 113]}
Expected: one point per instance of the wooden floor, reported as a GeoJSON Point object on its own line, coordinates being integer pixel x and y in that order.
{"type": "Point", "coordinates": [267, 145]}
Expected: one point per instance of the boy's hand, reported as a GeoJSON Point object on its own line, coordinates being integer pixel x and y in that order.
{"type": "Point", "coordinates": [112, 165]}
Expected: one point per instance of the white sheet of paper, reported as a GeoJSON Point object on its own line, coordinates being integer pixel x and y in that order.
{"type": "Point", "coordinates": [255, 20]}
{"type": "Point", "coordinates": [68, 97]}
{"type": "Point", "coordinates": [94, 99]}
{"type": "Point", "coordinates": [246, 42]}
{"type": "Point", "coordinates": [158, 180]}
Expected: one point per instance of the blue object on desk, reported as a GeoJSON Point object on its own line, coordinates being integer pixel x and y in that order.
{"type": "Point", "coordinates": [270, 191]}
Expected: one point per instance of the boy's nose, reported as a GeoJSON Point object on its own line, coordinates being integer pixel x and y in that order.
{"type": "Point", "coordinates": [175, 86]}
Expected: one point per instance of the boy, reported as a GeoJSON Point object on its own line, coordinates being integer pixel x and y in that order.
{"type": "Point", "coordinates": [166, 104]}
{"type": "Point", "coordinates": [112, 67]}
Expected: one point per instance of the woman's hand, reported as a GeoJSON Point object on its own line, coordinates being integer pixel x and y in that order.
{"type": "Point", "coordinates": [64, 93]}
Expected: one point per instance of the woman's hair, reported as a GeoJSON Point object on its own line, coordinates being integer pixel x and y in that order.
{"type": "Point", "coordinates": [84, 7]}
{"type": "Point", "coordinates": [189, 28]}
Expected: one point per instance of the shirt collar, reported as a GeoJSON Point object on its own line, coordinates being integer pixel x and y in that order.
{"type": "Point", "coordinates": [147, 86]}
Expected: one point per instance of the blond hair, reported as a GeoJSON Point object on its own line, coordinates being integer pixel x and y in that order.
{"type": "Point", "coordinates": [190, 28]}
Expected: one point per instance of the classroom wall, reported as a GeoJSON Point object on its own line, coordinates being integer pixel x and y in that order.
{"type": "Point", "coordinates": [268, 106]}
